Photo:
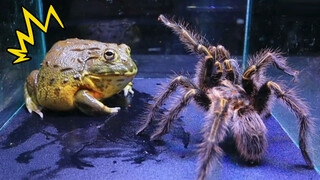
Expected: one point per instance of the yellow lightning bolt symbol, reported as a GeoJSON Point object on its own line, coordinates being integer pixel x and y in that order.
{"type": "Point", "coordinates": [28, 17]}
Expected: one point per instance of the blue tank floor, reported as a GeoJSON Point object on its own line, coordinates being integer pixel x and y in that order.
{"type": "Point", "coordinates": [73, 146]}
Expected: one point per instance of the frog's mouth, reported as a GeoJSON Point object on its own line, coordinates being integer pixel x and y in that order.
{"type": "Point", "coordinates": [111, 79]}
{"type": "Point", "coordinates": [111, 75]}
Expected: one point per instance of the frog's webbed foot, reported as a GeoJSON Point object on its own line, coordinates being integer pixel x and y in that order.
{"type": "Point", "coordinates": [91, 106]}
{"type": "Point", "coordinates": [112, 110]}
{"type": "Point", "coordinates": [30, 104]}
{"type": "Point", "coordinates": [128, 89]}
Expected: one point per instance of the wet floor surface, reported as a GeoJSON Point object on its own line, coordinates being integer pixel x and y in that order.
{"type": "Point", "coordinates": [74, 146]}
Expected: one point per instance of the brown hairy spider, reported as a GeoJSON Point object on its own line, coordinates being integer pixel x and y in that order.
{"type": "Point", "coordinates": [232, 101]}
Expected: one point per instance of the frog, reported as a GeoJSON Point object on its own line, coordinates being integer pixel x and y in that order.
{"type": "Point", "coordinates": [79, 74]}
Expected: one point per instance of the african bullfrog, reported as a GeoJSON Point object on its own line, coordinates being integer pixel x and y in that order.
{"type": "Point", "coordinates": [78, 73]}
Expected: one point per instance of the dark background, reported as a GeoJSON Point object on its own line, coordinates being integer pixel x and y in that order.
{"type": "Point", "coordinates": [291, 25]}
{"type": "Point", "coordinates": [135, 22]}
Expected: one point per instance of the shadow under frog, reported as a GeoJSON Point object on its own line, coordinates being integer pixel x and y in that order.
{"type": "Point", "coordinates": [80, 136]}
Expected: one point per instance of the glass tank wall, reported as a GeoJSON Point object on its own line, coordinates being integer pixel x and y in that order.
{"type": "Point", "coordinates": [12, 77]}
{"type": "Point", "coordinates": [292, 27]}
{"type": "Point", "coordinates": [71, 144]}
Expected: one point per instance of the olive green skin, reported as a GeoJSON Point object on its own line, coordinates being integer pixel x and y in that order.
{"type": "Point", "coordinates": [78, 73]}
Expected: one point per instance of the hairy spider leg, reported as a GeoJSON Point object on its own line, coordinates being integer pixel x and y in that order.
{"type": "Point", "coordinates": [249, 133]}
{"type": "Point", "coordinates": [208, 73]}
{"type": "Point", "coordinates": [300, 109]}
{"type": "Point", "coordinates": [256, 71]}
{"type": "Point", "coordinates": [167, 119]}
{"type": "Point", "coordinates": [219, 52]}
{"type": "Point", "coordinates": [198, 44]}
{"type": "Point", "coordinates": [232, 70]}
{"type": "Point", "coordinates": [262, 101]}
{"type": "Point", "coordinates": [214, 132]}
{"type": "Point", "coordinates": [258, 66]}
{"type": "Point", "coordinates": [193, 41]}
{"type": "Point", "coordinates": [174, 84]}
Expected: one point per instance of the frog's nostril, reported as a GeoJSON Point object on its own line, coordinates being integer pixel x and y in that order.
{"type": "Point", "coordinates": [124, 60]}
{"type": "Point", "coordinates": [128, 50]}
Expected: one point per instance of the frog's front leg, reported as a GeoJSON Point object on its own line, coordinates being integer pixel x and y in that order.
{"type": "Point", "coordinates": [30, 94]}
{"type": "Point", "coordinates": [90, 105]}
{"type": "Point", "coordinates": [128, 89]}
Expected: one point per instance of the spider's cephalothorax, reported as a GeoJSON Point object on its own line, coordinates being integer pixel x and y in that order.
{"type": "Point", "coordinates": [232, 101]}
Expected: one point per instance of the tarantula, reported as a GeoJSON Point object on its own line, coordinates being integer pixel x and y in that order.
{"type": "Point", "coordinates": [233, 102]}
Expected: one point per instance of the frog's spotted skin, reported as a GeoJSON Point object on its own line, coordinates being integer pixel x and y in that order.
{"type": "Point", "coordinates": [79, 73]}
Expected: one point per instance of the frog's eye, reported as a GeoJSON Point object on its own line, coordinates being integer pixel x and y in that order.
{"type": "Point", "coordinates": [109, 55]}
